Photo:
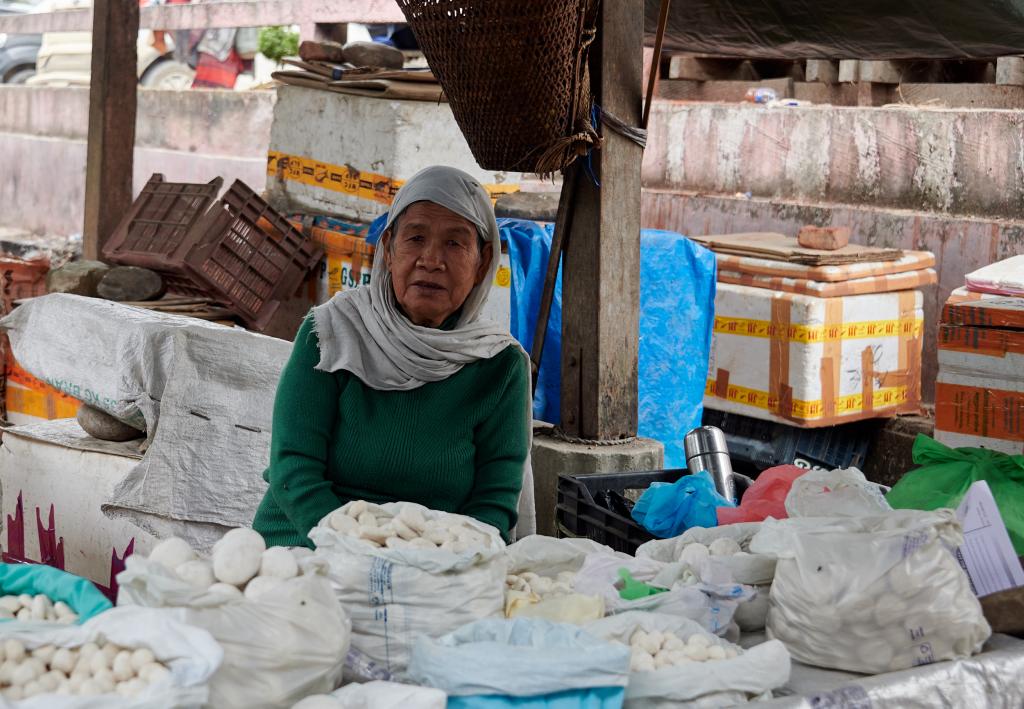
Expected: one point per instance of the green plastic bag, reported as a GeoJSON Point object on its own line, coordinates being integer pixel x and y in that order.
{"type": "Point", "coordinates": [946, 473]}
{"type": "Point", "coordinates": [81, 594]}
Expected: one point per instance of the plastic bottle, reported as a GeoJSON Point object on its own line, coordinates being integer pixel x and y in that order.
{"type": "Point", "coordinates": [760, 95]}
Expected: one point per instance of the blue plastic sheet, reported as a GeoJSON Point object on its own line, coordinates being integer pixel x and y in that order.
{"type": "Point", "coordinates": [81, 594]}
{"type": "Point", "coordinates": [523, 663]}
{"type": "Point", "coordinates": [669, 509]}
{"type": "Point", "coordinates": [677, 302]}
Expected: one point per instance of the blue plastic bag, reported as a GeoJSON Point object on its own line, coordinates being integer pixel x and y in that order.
{"type": "Point", "coordinates": [81, 594]}
{"type": "Point", "coordinates": [497, 664]}
{"type": "Point", "coordinates": [669, 509]}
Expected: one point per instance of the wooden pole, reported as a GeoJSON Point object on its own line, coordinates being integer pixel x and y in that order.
{"type": "Point", "coordinates": [112, 87]}
{"type": "Point", "coordinates": [601, 285]}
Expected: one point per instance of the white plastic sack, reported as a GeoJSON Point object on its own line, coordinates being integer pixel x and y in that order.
{"type": "Point", "coordinates": [393, 595]}
{"type": "Point", "coordinates": [204, 394]}
{"type": "Point", "coordinates": [190, 653]}
{"type": "Point", "coordinates": [756, 570]}
{"type": "Point", "coordinates": [871, 594]}
{"type": "Point", "coordinates": [711, 605]}
{"type": "Point", "coordinates": [835, 493]}
{"type": "Point", "coordinates": [290, 643]}
{"type": "Point", "coordinates": [518, 658]}
{"type": "Point", "coordinates": [389, 695]}
{"type": "Point", "coordinates": [548, 556]}
{"type": "Point", "coordinates": [717, 683]}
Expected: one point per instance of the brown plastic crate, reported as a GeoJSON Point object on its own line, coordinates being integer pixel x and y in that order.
{"type": "Point", "coordinates": [155, 232]}
{"type": "Point", "coordinates": [236, 250]}
{"type": "Point", "coordinates": [249, 255]}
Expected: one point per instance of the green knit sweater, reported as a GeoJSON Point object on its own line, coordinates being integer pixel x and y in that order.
{"type": "Point", "coordinates": [457, 445]}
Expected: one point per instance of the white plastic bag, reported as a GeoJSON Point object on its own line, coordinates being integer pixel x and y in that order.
{"type": "Point", "coordinates": [389, 695]}
{"type": "Point", "coordinates": [756, 570]}
{"type": "Point", "coordinates": [717, 683]}
{"type": "Point", "coordinates": [712, 605]}
{"type": "Point", "coordinates": [290, 643]}
{"type": "Point", "coordinates": [190, 653]}
{"type": "Point", "coordinates": [835, 493]}
{"type": "Point", "coordinates": [519, 658]}
{"type": "Point", "coordinates": [393, 595]}
{"type": "Point", "coordinates": [871, 594]}
{"type": "Point", "coordinates": [548, 556]}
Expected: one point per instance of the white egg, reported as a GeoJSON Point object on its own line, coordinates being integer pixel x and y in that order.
{"type": "Point", "coordinates": [693, 555]}
{"type": "Point", "coordinates": [31, 689]}
{"type": "Point", "coordinates": [172, 553]}
{"type": "Point", "coordinates": [14, 694]}
{"type": "Point", "coordinates": [51, 680]}
{"type": "Point", "coordinates": [24, 673]}
{"type": "Point", "coordinates": [25, 614]}
{"type": "Point", "coordinates": [673, 642]}
{"type": "Point", "coordinates": [105, 680]}
{"type": "Point", "coordinates": [724, 546]}
{"type": "Point", "coordinates": [14, 650]}
{"type": "Point", "coordinates": [196, 573]}
{"type": "Point", "coordinates": [89, 688]}
{"type": "Point", "coordinates": [716, 652]}
{"type": "Point", "coordinates": [142, 657]}
{"type": "Point", "coordinates": [25, 600]}
{"type": "Point", "coordinates": [10, 604]}
{"type": "Point", "coordinates": [279, 563]}
{"type": "Point", "coordinates": [641, 661]}
{"type": "Point", "coordinates": [88, 650]}
{"type": "Point", "coordinates": [696, 653]}
{"type": "Point", "coordinates": [154, 672]}
{"type": "Point", "coordinates": [7, 668]}
{"type": "Point", "coordinates": [98, 661]}
{"type": "Point", "coordinates": [237, 556]}
{"type": "Point", "coordinates": [226, 589]}
{"type": "Point", "coordinates": [698, 640]}
{"type": "Point", "coordinates": [44, 653]}
{"type": "Point", "coordinates": [122, 666]}
{"type": "Point", "coordinates": [62, 609]}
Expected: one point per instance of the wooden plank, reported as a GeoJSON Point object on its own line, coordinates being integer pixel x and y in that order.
{"type": "Point", "coordinates": [727, 91]}
{"type": "Point", "coordinates": [112, 103]}
{"type": "Point", "coordinates": [823, 70]}
{"type": "Point", "coordinates": [1010, 71]}
{"type": "Point", "coordinates": [238, 13]}
{"type": "Point", "coordinates": [600, 292]}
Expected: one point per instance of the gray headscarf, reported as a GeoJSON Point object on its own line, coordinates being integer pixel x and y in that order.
{"type": "Point", "coordinates": [362, 330]}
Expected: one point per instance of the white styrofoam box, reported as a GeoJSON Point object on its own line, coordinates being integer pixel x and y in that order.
{"type": "Point", "coordinates": [342, 155]}
{"type": "Point", "coordinates": [68, 485]}
{"type": "Point", "coordinates": [757, 357]}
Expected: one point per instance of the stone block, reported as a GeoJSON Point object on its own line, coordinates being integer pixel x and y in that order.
{"type": "Point", "coordinates": [131, 284]}
{"type": "Point", "coordinates": [101, 425]}
{"type": "Point", "coordinates": [77, 277]}
{"type": "Point", "coordinates": [826, 238]}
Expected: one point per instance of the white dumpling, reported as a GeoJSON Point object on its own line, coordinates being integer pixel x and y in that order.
{"type": "Point", "coordinates": [724, 546]}
{"type": "Point", "coordinates": [196, 573]}
{"type": "Point", "coordinates": [237, 556]}
{"type": "Point", "coordinates": [226, 589]}
{"type": "Point", "coordinates": [261, 586]}
{"type": "Point", "coordinates": [694, 554]}
{"type": "Point", "coordinates": [341, 522]}
{"type": "Point", "coordinates": [279, 562]}
{"type": "Point", "coordinates": [172, 553]}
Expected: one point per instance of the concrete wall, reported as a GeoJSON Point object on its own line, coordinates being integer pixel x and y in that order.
{"type": "Point", "coordinates": [946, 181]}
{"type": "Point", "coordinates": [190, 136]}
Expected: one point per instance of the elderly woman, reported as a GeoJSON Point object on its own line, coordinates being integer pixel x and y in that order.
{"type": "Point", "coordinates": [397, 391]}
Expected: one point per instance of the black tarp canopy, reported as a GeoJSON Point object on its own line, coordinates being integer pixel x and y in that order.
{"type": "Point", "coordinates": [843, 29]}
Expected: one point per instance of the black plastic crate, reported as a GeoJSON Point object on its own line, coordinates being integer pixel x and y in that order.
{"type": "Point", "coordinates": [756, 445]}
{"type": "Point", "coordinates": [578, 514]}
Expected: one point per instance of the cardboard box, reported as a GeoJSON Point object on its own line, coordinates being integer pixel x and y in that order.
{"type": "Point", "coordinates": [979, 392]}
{"type": "Point", "coordinates": [52, 497]}
{"type": "Point", "coordinates": [348, 155]}
{"type": "Point", "coordinates": [811, 362]}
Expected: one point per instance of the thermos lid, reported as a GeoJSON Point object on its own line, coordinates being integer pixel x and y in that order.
{"type": "Point", "coordinates": [706, 439]}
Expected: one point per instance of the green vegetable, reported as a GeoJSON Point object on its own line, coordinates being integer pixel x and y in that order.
{"type": "Point", "coordinates": [276, 43]}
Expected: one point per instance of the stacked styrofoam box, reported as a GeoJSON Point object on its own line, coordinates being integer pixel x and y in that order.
{"type": "Point", "coordinates": [810, 361]}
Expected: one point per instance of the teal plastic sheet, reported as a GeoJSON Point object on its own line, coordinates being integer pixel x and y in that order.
{"type": "Point", "coordinates": [500, 664]}
{"type": "Point", "coordinates": [79, 593]}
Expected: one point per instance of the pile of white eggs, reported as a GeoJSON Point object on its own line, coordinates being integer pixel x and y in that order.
{"type": "Point", "coordinates": [92, 669]}
{"type": "Point", "coordinates": [541, 586]}
{"type": "Point", "coordinates": [694, 553]}
{"type": "Point", "coordinates": [409, 529]}
{"type": "Point", "coordinates": [241, 564]}
{"type": "Point", "coordinates": [657, 650]}
{"type": "Point", "coordinates": [39, 608]}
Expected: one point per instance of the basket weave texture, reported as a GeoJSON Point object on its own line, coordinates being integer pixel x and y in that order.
{"type": "Point", "coordinates": [515, 75]}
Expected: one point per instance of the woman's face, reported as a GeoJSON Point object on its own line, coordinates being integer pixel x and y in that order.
{"type": "Point", "coordinates": [435, 260]}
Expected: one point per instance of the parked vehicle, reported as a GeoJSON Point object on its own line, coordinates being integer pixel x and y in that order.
{"type": "Point", "coordinates": [18, 51]}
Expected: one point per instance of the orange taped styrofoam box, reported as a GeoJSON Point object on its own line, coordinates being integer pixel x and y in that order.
{"type": "Point", "coordinates": [811, 361]}
{"type": "Point", "coordinates": [979, 392]}
{"type": "Point", "coordinates": [31, 400]}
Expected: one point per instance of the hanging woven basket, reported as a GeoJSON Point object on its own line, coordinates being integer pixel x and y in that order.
{"type": "Point", "coordinates": [515, 75]}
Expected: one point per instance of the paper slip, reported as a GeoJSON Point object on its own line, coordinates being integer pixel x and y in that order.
{"type": "Point", "coordinates": [986, 554]}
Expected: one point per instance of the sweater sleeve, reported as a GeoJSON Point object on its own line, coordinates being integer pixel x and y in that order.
{"type": "Point", "coordinates": [501, 441]}
{"type": "Point", "coordinates": [305, 409]}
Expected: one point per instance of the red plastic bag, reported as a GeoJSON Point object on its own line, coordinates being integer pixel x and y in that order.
{"type": "Point", "coordinates": [765, 498]}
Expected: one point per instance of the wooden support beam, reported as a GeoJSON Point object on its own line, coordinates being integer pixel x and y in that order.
{"type": "Point", "coordinates": [600, 288]}
{"type": "Point", "coordinates": [112, 94]}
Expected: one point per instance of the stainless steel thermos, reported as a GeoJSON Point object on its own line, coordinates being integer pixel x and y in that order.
{"type": "Point", "coordinates": [706, 450]}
